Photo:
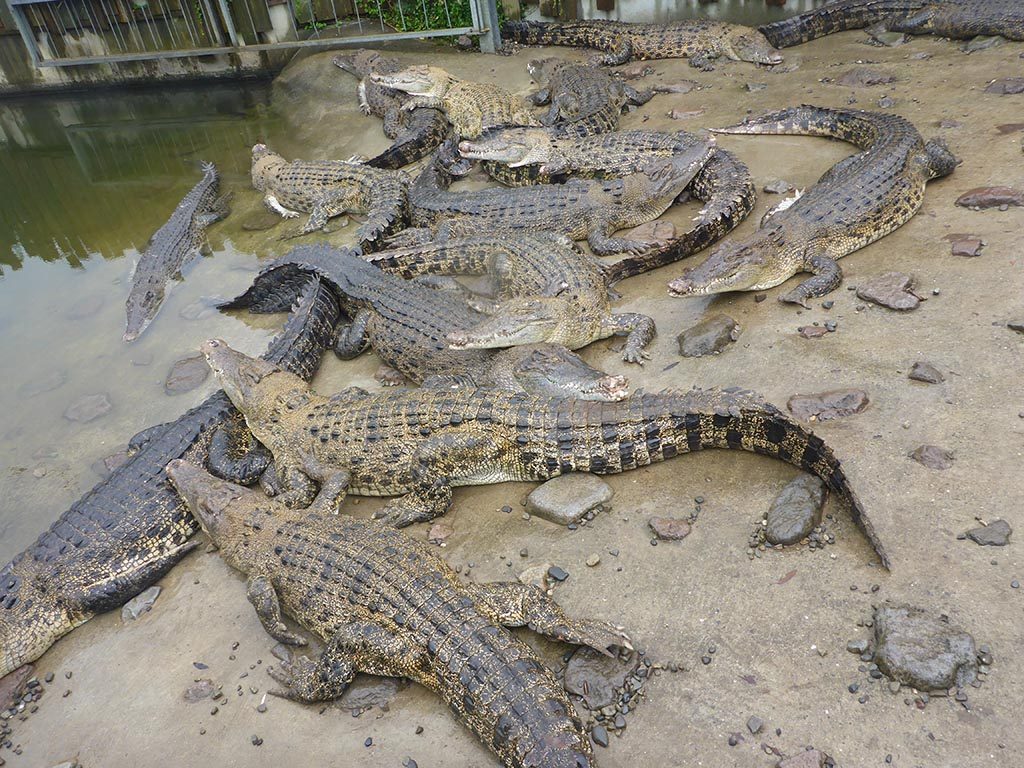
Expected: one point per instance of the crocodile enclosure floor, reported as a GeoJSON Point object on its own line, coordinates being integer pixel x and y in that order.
{"type": "Point", "coordinates": [779, 623]}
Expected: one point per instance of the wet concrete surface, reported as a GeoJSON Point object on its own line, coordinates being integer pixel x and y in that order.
{"type": "Point", "coordinates": [779, 622]}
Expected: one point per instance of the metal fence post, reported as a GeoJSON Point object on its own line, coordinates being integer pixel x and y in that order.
{"type": "Point", "coordinates": [490, 41]}
{"type": "Point", "coordinates": [229, 23]}
{"type": "Point", "coordinates": [27, 36]}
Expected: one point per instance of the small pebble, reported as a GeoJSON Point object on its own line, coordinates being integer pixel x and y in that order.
{"type": "Point", "coordinates": [368, 742]}
{"type": "Point", "coordinates": [256, 741]}
{"type": "Point", "coordinates": [593, 560]}
{"type": "Point", "coordinates": [600, 736]}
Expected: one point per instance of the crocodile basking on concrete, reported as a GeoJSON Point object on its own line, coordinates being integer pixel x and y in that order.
{"type": "Point", "coordinates": [167, 252]}
{"type": "Point", "coordinates": [579, 208]}
{"type": "Point", "coordinates": [582, 100]}
{"type": "Point", "coordinates": [699, 40]}
{"type": "Point", "coordinates": [521, 156]}
{"type": "Point", "coordinates": [417, 445]}
{"type": "Point", "coordinates": [386, 604]}
{"type": "Point", "coordinates": [415, 134]}
{"type": "Point", "coordinates": [128, 531]}
{"type": "Point", "coordinates": [958, 19]}
{"type": "Point", "coordinates": [856, 202]}
{"type": "Point", "coordinates": [408, 325]}
{"type": "Point", "coordinates": [328, 188]}
{"type": "Point", "coordinates": [470, 106]}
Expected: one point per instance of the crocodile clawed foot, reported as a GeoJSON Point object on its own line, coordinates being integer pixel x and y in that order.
{"type": "Point", "coordinates": [282, 635]}
{"type": "Point", "coordinates": [795, 297]}
{"type": "Point", "coordinates": [400, 513]}
{"type": "Point", "coordinates": [599, 635]}
{"type": "Point", "coordinates": [296, 678]}
{"type": "Point", "coordinates": [636, 356]}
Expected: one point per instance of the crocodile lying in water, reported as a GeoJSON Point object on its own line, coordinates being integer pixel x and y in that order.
{"type": "Point", "coordinates": [520, 156]}
{"type": "Point", "coordinates": [328, 188]}
{"type": "Point", "coordinates": [859, 200]}
{"type": "Point", "coordinates": [957, 19]}
{"type": "Point", "coordinates": [166, 253]}
{"type": "Point", "coordinates": [407, 324]}
{"type": "Point", "coordinates": [420, 444]}
{"type": "Point", "coordinates": [470, 106]}
{"type": "Point", "coordinates": [582, 100]}
{"type": "Point", "coordinates": [699, 40]}
{"type": "Point", "coordinates": [580, 208]}
{"type": "Point", "coordinates": [415, 134]}
{"type": "Point", "coordinates": [128, 531]}
{"type": "Point", "coordinates": [386, 604]}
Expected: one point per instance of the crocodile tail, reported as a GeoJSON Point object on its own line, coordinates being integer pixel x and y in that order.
{"type": "Point", "coordinates": [856, 126]}
{"type": "Point", "coordinates": [308, 331]}
{"type": "Point", "coordinates": [426, 129]}
{"type": "Point", "coordinates": [652, 427]}
{"type": "Point", "coordinates": [208, 169]}
{"type": "Point", "coordinates": [727, 188]}
{"type": "Point", "coordinates": [833, 17]}
{"type": "Point", "coordinates": [536, 33]}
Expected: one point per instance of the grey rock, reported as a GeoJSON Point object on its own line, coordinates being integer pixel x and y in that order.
{"type": "Point", "coordinates": [709, 336]}
{"type": "Point", "coordinates": [889, 39]}
{"type": "Point", "coordinates": [796, 510]}
{"type": "Point", "coordinates": [1016, 325]}
{"type": "Point", "coordinates": [825, 406]}
{"type": "Point", "coordinates": [861, 77]}
{"type": "Point", "coordinates": [751, 87]}
{"type": "Point", "coordinates": [858, 646]}
{"type": "Point", "coordinates": [892, 290]}
{"type": "Point", "coordinates": [371, 691]}
{"type": "Point", "coordinates": [68, 764]}
{"type": "Point", "coordinates": [199, 690]}
{"type": "Point", "coordinates": [982, 43]}
{"type": "Point", "coordinates": [933, 457]}
{"type": "Point", "coordinates": [995, 534]}
{"type": "Point", "coordinates": [567, 498]}
{"type": "Point", "coordinates": [926, 372]}
{"type": "Point", "coordinates": [669, 528]}
{"type": "Point", "coordinates": [198, 309]}
{"type": "Point", "coordinates": [48, 383]}
{"type": "Point", "coordinates": [924, 651]}
{"type": "Point", "coordinates": [755, 724]}
{"type": "Point", "coordinates": [981, 198]}
{"type": "Point", "coordinates": [12, 685]}
{"type": "Point", "coordinates": [594, 677]}
{"type": "Point", "coordinates": [88, 408]}
{"type": "Point", "coordinates": [967, 247]}
{"type": "Point", "coordinates": [186, 374]}
{"type": "Point", "coordinates": [1006, 86]}
{"type": "Point", "coordinates": [886, 101]}
{"type": "Point", "coordinates": [778, 187]}
{"type": "Point", "coordinates": [259, 221]}
{"type": "Point", "coordinates": [810, 758]}
{"type": "Point", "coordinates": [140, 604]}
{"type": "Point", "coordinates": [682, 86]}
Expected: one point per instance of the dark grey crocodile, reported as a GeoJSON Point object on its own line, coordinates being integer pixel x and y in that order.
{"type": "Point", "coordinates": [416, 133]}
{"type": "Point", "coordinates": [386, 604]}
{"type": "Point", "coordinates": [167, 252]}
{"type": "Point", "coordinates": [408, 325]}
{"type": "Point", "coordinates": [957, 19]}
{"type": "Point", "coordinates": [129, 530]}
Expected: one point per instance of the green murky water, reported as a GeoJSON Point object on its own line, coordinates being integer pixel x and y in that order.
{"type": "Point", "coordinates": [87, 180]}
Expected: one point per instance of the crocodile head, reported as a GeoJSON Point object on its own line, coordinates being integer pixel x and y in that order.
{"type": "Point", "coordinates": [665, 179]}
{"type": "Point", "coordinates": [513, 146]}
{"type": "Point", "coordinates": [359, 63]}
{"type": "Point", "coordinates": [418, 80]}
{"type": "Point", "coordinates": [524, 320]}
{"type": "Point", "coordinates": [743, 44]}
{"type": "Point", "coordinates": [541, 70]}
{"type": "Point", "coordinates": [259, 389]}
{"type": "Point", "coordinates": [262, 158]}
{"type": "Point", "coordinates": [553, 370]}
{"type": "Point", "coordinates": [214, 503]}
{"type": "Point", "coordinates": [754, 265]}
{"type": "Point", "coordinates": [142, 305]}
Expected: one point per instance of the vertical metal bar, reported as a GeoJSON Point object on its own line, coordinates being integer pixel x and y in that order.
{"type": "Point", "coordinates": [168, 25]}
{"type": "Point", "coordinates": [151, 26]}
{"type": "Point", "coordinates": [114, 29]}
{"type": "Point", "coordinates": [491, 40]}
{"type": "Point", "coordinates": [213, 29]}
{"type": "Point", "coordinates": [229, 24]}
{"type": "Point", "coordinates": [252, 23]}
{"type": "Point", "coordinates": [190, 23]}
{"type": "Point", "coordinates": [474, 13]}
{"type": "Point", "coordinates": [291, 18]}
{"type": "Point", "coordinates": [334, 10]}
{"type": "Point", "coordinates": [359, 21]}
{"type": "Point", "coordinates": [133, 25]}
{"type": "Point", "coordinates": [63, 32]}
{"type": "Point", "coordinates": [401, 14]}
{"type": "Point", "coordinates": [447, 14]}
{"type": "Point", "coordinates": [25, 29]}
{"type": "Point", "coordinates": [380, 13]}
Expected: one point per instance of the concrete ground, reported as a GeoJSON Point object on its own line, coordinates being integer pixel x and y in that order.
{"type": "Point", "coordinates": [780, 623]}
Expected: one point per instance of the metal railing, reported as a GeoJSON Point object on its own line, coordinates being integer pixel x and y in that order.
{"type": "Point", "coordinates": [60, 33]}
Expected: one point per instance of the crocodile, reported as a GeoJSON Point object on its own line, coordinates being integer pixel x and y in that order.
{"type": "Point", "coordinates": [386, 604]}
{"type": "Point", "coordinates": [327, 188]}
{"type": "Point", "coordinates": [699, 40]}
{"type": "Point", "coordinates": [582, 100]}
{"type": "Point", "coordinates": [166, 253]}
{"type": "Point", "coordinates": [520, 156]}
{"type": "Point", "coordinates": [407, 325]}
{"type": "Point", "coordinates": [415, 134]}
{"type": "Point", "coordinates": [129, 530]}
{"type": "Point", "coordinates": [579, 208]}
{"type": "Point", "coordinates": [417, 445]}
{"type": "Point", "coordinates": [957, 19]}
{"type": "Point", "coordinates": [470, 106]}
{"type": "Point", "coordinates": [859, 200]}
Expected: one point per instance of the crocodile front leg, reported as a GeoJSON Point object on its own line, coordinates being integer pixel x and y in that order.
{"type": "Point", "coordinates": [639, 331]}
{"type": "Point", "coordinates": [333, 203]}
{"type": "Point", "coordinates": [517, 605]}
{"type": "Point", "coordinates": [827, 277]}
{"type": "Point", "coordinates": [703, 60]}
{"type": "Point", "coordinates": [356, 647]}
{"type": "Point", "coordinates": [635, 97]}
{"type": "Point", "coordinates": [420, 102]}
{"type": "Point", "coordinates": [297, 489]}
{"type": "Point", "coordinates": [351, 340]}
{"type": "Point", "coordinates": [448, 454]}
{"type": "Point", "coordinates": [275, 207]}
{"type": "Point", "coordinates": [394, 122]}
{"type": "Point", "coordinates": [261, 593]}
{"type": "Point", "coordinates": [603, 244]}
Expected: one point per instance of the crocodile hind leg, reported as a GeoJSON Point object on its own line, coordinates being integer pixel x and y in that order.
{"type": "Point", "coordinates": [704, 61]}
{"type": "Point", "coordinates": [827, 277]}
{"type": "Point", "coordinates": [635, 97]}
{"type": "Point", "coordinates": [351, 340]}
{"type": "Point", "coordinates": [235, 455]}
{"type": "Point", "coordinates": [450, 453]}
{"type": "Point", "coordinates": [603, 244]}
{"type": "Point", "coordinates": [639, 331]}
{"type": "Point", "coordinates": [355, 647]}
{"type": "Point", "coordinates": [141, 439]}
{"type": "Point", "coordinates": [517, 605]}
{"type": "Point", "coordinates": [275, 207]}
{"type": "Point", "coordinates": [261, 593]}
{"type": "Point", "coordinates": [333, 203]}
